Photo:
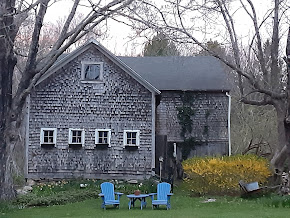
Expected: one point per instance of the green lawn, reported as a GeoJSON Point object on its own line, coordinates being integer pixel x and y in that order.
{"type": "Point", "coordinates": [182, 206]}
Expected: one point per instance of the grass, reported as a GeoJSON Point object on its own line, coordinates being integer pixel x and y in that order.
{"type": "Point", "coordinates": [182, 206]}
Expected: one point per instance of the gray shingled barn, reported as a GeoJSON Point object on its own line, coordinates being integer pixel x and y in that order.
{"type": "Point", "coordinates": [95, 115]}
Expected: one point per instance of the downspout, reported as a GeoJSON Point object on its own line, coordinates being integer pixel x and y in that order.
{"type": "Point", "coordinates": [153, 106]}
{"type": "Point", "coordinates": [27, 114]}
{"type": "Point", "coordinates": [229, 123]}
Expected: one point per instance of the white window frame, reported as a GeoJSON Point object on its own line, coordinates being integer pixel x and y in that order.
{"type": "Point", "coordinates": [42, 136]}
{"type": "Point", "coordinates": [84, 64]}
{"type": "Point", "coordinates": [137, 138]}
{"type": "Point", "coordinates": [97, 136]}
{"type": "Point", "coordinates": [82, 137]}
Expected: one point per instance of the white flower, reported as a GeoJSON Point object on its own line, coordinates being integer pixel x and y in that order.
{"type": "Point", "coordinates": [83, 185]}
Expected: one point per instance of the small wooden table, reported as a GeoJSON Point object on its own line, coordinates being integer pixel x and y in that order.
{"type": "Point", "coordinates": [133, 198]}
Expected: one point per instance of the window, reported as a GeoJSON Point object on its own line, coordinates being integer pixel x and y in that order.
{"type": "Point", "coordinates": [103, 136]}
{"type": "Point", "coordinates": [131, 137]}
{"type": "Point", "coordinates": [48, 136]}
{"type": "Point", "coordinates": [92, 71]}
{"type": "Point", "coordinates": [76, 137]}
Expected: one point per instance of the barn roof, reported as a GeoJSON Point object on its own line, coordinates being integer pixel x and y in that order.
{"type": "Point", "coordinates": [199, 73]}
{"type": "Point", "coordinates": [66, 58]}
{"type": "Point", "coordinates": [186, 73]}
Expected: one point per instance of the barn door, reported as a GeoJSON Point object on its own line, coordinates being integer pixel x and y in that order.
{"type": "Point", "coordinates": [161, 155]}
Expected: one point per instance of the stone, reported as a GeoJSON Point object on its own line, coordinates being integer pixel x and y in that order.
{"type": "Point", "coordinates": [31, 182]}
{"type": "Point", "coordinates": [27, 188]}
{"type": "Point", "coordinates": [132, 181]}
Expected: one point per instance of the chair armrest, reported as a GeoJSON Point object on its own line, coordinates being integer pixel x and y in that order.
{"type": "Point", "coordinates": [152, 195]}
{"type": "Point", "coordinates": [101, 195]}
{"type": "Point", "coordinates": [169, 195]}
{"type": "Point", "coordinates": [118, 193]}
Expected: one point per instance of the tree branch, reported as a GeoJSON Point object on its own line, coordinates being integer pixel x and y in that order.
{"type": "Point", "coordinates": [42, 67]}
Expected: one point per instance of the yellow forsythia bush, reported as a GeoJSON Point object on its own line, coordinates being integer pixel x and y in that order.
{"type": "Point", "coordinates": [221, 175]}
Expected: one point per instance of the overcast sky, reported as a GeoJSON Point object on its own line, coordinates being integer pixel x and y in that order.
{"type": "Point", "coordinates": [118, 41]}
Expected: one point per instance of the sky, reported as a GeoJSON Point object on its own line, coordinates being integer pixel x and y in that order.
{"type": "Point", "coordinates": [118, 40]}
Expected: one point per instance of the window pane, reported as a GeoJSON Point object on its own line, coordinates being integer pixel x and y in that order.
{"type": "Point", "coordinates": [48, 136]}
{"type": "Point", "coordinates": [92, 71]}
{"type": "Point", "coordinates": [133, 134]}
{"type": "Point", "coordinates": [103, 137]}
{"type": "Point", "coordinates": [76, 136]}
{"type": "Point", "coordinates": [45, 139]}
{"type": "Point", "coordinates": [131, 138]}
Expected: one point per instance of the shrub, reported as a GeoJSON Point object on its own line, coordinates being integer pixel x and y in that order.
{"type": "Point", "coordinates": [50, 188]}
{"type": "Point", "coordinates": [7, 206]}
{"type": "Point", "coordinates": [276, 201]}
{"type": "Point", "coordinates": [146, 186]}
{"type": "Point", "coordinates": [220, 175]}
{"type": "Point", "coordinates": [55, 199]}
{"type": "Point", "coordinates": [68, 191]}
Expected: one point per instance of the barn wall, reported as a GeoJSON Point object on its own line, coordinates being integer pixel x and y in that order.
{"type": "Point", "coordinates": [118, 103]}
{"type": "Point", "coordinates": [209, 122]}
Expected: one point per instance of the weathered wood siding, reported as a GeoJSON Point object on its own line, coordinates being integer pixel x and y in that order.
{"type": "Point", "coordinates": [209, 121]}
{"type": "Point", "coordinates": [118, 103]}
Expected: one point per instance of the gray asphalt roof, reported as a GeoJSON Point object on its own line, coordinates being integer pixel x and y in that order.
{"type": "Point", "coordinates": [200, 73]}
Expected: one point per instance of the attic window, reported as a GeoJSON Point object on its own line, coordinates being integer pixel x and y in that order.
{"type": "Point", "coordinates": [92, 71]}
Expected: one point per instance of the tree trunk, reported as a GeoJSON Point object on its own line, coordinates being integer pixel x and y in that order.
{"type": "Point", "coordinates": [6, 69]}
{"type": "Point", "coordinates": [280, 158]}
{"type": "Point", "coordinates": [7, 64]}
{"type": "Point", "coordinates": [280, 153]}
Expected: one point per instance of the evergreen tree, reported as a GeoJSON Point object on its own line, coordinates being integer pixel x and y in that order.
{"type": "Point", "coordinates": [160, 45]}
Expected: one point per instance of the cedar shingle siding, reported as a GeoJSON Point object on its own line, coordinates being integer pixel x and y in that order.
{"type": "Point", "coordinates": [124, 99]}
{"type": "Point", "coordinates": [209, 122]}
{"type": "Point", "coordinates": [62, 101]}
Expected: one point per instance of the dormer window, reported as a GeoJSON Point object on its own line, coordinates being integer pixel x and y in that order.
{"type": "Point", "coordinates": [92, 71]}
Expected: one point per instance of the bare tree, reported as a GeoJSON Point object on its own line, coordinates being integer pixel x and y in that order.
{"type": "Point", "coordinates": [13, 15]}
{"type": "Point", "coordinates": [261, 76]}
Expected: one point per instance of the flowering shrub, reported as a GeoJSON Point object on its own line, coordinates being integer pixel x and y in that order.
{"type": "Point", "coordinates": [55, 199]}
{"type": "Point", "coordinates": [145, 187]}
{"type": "Point", "coordinates": [220, 175]}
{"type": "Point", "coordinates": [49, 188]}
{"type": "Point", "coordinates": [67, 191]}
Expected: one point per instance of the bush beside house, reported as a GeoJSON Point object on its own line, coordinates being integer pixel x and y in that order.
{"type": "Point", "coordinates": [221, 175]}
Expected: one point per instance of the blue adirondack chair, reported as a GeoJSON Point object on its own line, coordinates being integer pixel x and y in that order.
{"type": "Point", "coordinates": [108, 195]}
{"type": "Point", "coordinates": [163, 195]}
